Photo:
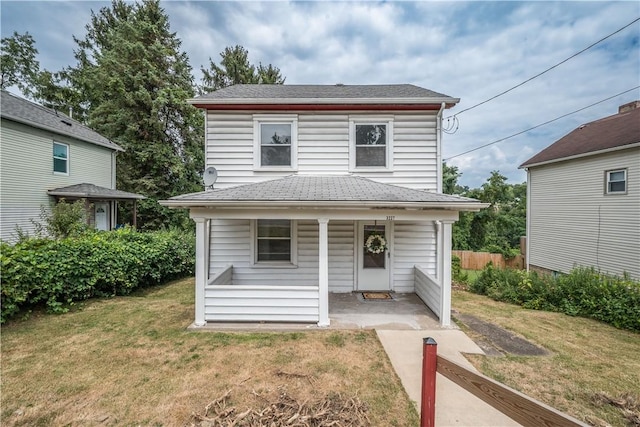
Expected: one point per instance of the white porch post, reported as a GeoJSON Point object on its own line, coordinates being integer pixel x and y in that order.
{"type": "Point", "coordinates": [445, 280]}
{"type": "Point", "coordinates": [201, 268]}
{"type": "Point", "coordinates": [323, 272]}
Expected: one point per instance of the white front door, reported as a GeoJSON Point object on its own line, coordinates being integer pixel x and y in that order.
{"type": "Point", "coordinates": [102, 216]}
{"type": "Point", "coordinates": [373, 268]}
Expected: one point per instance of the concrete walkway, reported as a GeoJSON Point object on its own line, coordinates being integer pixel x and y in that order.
{"type": "Point", "coordinates": [454, 405]}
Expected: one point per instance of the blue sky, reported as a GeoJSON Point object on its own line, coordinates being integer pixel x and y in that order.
{"type": "Point", "coordinates": [469, 50]}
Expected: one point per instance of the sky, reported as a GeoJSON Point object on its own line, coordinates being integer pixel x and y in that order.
{"type": "Point", "coordinates": [468, 50]}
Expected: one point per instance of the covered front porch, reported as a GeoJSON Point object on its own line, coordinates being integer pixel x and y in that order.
{"type": "Point", "coordinates": [325, 252]}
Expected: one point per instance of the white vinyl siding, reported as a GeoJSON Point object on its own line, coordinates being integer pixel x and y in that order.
{"type": "Point", "coordinates": [572, 222]}
{"type": "Point", "coordinates": [27, 173]}
{"type": "Point", "coordinates": [323, 147]}
{"type": "Point", "coordinates": [414, 243]}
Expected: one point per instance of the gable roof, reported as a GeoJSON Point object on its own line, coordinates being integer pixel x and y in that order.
{"type": "Point", "coordinates": [324, 190]}
{"type": "Point", "coordinates": [91, 191]}
{"type": "Point", "coordinates": [26, 112]}
{"type": "Point", "coordinates": [619, 131]}
{"type": "Point", "coordinates": [323, 94]}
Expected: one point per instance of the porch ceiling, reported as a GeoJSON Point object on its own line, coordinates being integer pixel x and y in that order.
{"type": "Point", "coordinates": [323, 192]}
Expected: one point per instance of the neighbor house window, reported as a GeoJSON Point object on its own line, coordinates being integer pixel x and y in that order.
{"type": "Point", "coordinates": [60, 158]}
{"type": "Point", "coordinates": [617, 181]}
{"type": "Point", "coordinates": [275, 142]}
{"type": "Point", "coordinates": [274, 240]}
{"type": "Point", "coordinates": [371, 144]}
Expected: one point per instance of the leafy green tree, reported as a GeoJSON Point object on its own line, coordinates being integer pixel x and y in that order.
{"type": "Point", "coordinates": [18, 64]}
{"type": "Point", "coordinates": [130, 84]}
{"type": "Point", "coordinates": [235, 68]}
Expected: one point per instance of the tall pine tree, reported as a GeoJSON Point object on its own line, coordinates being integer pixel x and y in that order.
{"type": "Point", "coordinates": [133, 80]}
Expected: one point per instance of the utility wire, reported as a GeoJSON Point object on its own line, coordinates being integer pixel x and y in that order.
{"type": "Point", "coordinates": [541, 124]}
{"type": "Point", "coordinates": [547, 70]}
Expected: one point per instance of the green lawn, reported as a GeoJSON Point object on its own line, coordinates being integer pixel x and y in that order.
{"type": "Point", "coordinates": [131, 361]}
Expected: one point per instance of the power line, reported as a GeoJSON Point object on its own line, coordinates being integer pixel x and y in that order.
{"type": "Point", "coordinates": [545, 71]}
{"type": "Point", "coordinates": [541, 124]}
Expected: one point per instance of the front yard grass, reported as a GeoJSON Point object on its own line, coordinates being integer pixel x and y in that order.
{"type": "Point", "coordinates": [130, 361]}
{"type": "Point", "coordinates": [590, 361]}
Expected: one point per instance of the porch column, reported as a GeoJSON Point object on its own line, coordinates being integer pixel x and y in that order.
{"type": "Point", "coordinates": [445, 280]}
{"type": "Point", "coordinates": [323, 272]}
{"type": "Point", "coordinates": [201, 269]}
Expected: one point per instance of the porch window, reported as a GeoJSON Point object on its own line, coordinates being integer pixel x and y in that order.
{"type": "Point", "coordinates": [371, 144]}
{"type": "Point", "coordinates": [274, 240]}
{"type": "Point", "coordinates": [60, 158]}
{"type": "Point", "coordinates": [275, 142]}
{"type": "Point", "coordinates": [616, 181]}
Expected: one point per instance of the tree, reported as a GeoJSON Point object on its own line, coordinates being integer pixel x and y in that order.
{"type": "Point", "coordinates": [235, 68]}
{"type": "Point", "coordinates": [130, 84]}
{"type": "Point", "coordinates": [18, 64]}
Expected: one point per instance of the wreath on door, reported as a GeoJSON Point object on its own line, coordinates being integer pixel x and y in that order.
{"type": "Point", "coordinates": [376, 244]}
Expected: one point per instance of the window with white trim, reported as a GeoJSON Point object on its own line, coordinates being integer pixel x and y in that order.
{"type": "Point", "coordinates": [275, 142]}
{"type": "Point", "coordinates": [371, 144]}
{"type": "Point", "coordinates": [60, 158]}
{"type": "Point", "coordinates": [616, 181]}
{"type": "Point", "coordinates": [274, 241]}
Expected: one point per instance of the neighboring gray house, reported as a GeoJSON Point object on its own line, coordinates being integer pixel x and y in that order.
{"type": "Point", "coordinates": [45, 156]}
{"type": "Point", "coordinates": [307, 175]}
{"type": "Point", "coordinates": [583, 201]}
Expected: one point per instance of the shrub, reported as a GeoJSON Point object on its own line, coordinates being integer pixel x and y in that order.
{"type": "Point", "coordinates": [457, 274]}
{"type": "Point", "coordinates": [94, 264]}
{"type": "Point", "coordinates": [583, 292]}
{"type": "Point", "coordinates": [64, 220]}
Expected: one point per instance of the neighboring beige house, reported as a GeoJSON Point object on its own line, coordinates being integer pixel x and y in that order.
{"type": "Point", "coordinates": [583, 201]}
{"type": "Point", "coordinates": [310, 177]}
{"type": "Point", "coordinates": [45, 156]}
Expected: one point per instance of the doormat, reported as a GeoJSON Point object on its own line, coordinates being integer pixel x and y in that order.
{"type": "Point", "coordinates": [377, 296]}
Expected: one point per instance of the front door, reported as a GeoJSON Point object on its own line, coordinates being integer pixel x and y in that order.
{"type": "Point", "coordinates": [373, 260]}
{"type": "Point", "coordinates": [102, 216]}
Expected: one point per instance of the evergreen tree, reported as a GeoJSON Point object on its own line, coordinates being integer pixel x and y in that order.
{"type": "Point", "coordinates": [235, 68]}
{"type": "Point", "coordinates": [130, 83]}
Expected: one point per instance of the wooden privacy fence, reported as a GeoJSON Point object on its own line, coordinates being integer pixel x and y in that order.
{"type": "Point", "coordinates": [517, 406]}
{"type": "Point", "coordinates": [470, 260]}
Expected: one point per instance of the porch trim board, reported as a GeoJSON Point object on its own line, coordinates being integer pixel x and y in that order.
{"type": "Point", "coordinates": [244, 303]}
{"type": "Point", "coordinates": [428, 289]}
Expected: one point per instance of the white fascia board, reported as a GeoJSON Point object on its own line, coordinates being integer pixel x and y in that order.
{"type": "Point", "coordinates": [365, 205]}
{"type": "Point", "coordinates": [258, 101]}
{"type": "Point", "coordinates": [579, 156]}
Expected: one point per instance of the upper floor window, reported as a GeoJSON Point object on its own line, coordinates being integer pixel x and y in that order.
{"type": "Point", "coordinates": [60, 158]}
{"type": "Point", "coordinates": [371, 144]}
{"type": "Point", "coordinates": [616, 181]}
{"type": "Point", "coordinates": [275, 142]}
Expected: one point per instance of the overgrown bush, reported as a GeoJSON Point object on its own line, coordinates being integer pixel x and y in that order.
{"type": "Point", "coordinates": [94, 264]}
{"type": "Point", "coordinates": [64, 219]}
{"type": "Point", "coordinates": [457, 274]}
{"type": "Point", "coordinates": [584, 292]}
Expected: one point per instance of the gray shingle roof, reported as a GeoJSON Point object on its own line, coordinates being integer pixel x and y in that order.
{"type": "Point", "coordinates": [326, 190]}
{"type": "Point", "coordinates": [20, 110]}
{"type": "Point", "coordinates": [608, 133]}
{"type": "Point", "coordinates": [91, 191]}
{"type": "Point", "coordinates": [275, 93]}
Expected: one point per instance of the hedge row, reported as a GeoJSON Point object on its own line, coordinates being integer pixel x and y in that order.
{"type": "Point", "coordinates": [95, 264]}
{"type": "Point", "coordinates": [584, 292]}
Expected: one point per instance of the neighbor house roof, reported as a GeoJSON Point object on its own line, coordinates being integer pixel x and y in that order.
{"type": "Point", "coordinates": [610, 133]}
{"type": "Point", "coordinates": [91, 191]}
{"type": "Point", "coordinates": [324, 190]}
{"type": "Point", "coordinates": [26, 112]}
{"type": "Point", "coordinates": [260, 94]}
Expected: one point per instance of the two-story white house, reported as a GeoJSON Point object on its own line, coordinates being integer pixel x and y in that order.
{"type": "Point", "coordinates": [321, 189]}
{"type": "Point", "coordinates": [583, 201]}
{"type": "Point", "coordinates": [46, 156]}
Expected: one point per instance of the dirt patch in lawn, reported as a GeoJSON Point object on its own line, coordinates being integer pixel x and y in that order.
{"type": "Point", "coordinates": [497, 340]}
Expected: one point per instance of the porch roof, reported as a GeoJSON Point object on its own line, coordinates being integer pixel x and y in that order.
{"type": "Point", "coordinates": [91, 191]}
{"type": "Point", "coordinates": [326, 191]}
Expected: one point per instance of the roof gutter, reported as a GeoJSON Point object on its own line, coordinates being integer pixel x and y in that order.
{"type": "Point", "coordinates": [315, 101]}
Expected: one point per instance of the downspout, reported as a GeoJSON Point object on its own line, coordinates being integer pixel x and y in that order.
{"type": "Point", "coordinates": [528, 223]}
{"type": "Point", "coordinates": [439, 147]}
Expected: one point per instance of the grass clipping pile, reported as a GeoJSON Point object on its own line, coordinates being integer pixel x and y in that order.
{"type": "Point", "coordinates": [279, 409]}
